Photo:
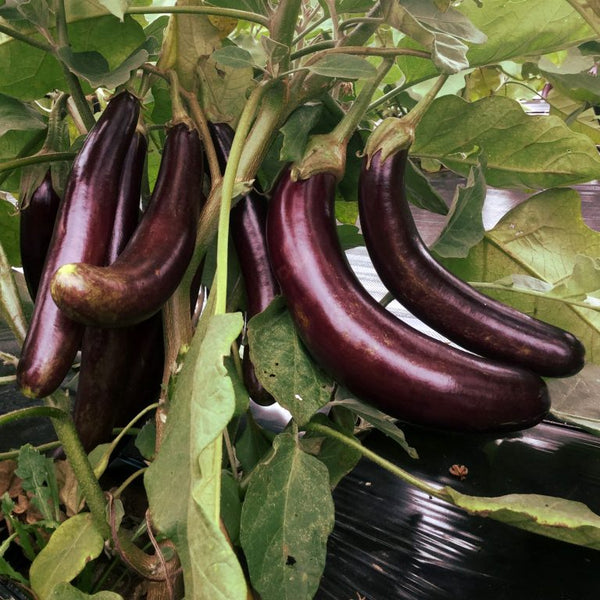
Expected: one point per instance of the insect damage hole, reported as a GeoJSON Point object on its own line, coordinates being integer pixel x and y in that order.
{"type": "Point", "coordinates": [290, 561]}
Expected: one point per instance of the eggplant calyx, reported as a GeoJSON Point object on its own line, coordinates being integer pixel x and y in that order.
{"type": "Point", "coordinates": [324, 154]}
{"type": "Point", "coordinates": [390, 136]}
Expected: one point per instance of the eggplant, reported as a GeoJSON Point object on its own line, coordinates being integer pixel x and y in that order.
{"type": "Point", "coordinates": [248, 221]}
{"type": "Point", "coordinates": [121, 369]}
{"type": "Point", "coordinates": [36, 226]}
{"type": "Point", "coordinates": [369, 351]}
{"type": "Point", "coordinates": [149, 269]}
{"type": "Point", "coordinates": [439, 298]}
{"type": "Point", "coordinates": [82, 233]}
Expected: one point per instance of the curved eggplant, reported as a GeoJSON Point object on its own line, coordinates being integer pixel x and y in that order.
{"type": "Point", "coordinates": [121, 369]}
{"type": "Point", "coordinates": [248, 223]}
{"type": "Point", "coordinates": [36, 225]}
{"type": "Point", "coordinates": [152, 264]}
{"type": "Point", "coordinates": [368, 350]}
{"type": "Point", "coordinates": [440, 299]}
{"type": "Point", "coordinates": [82, 233]}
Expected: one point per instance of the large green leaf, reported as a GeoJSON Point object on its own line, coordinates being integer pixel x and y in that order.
{"type": "Point", "coordinates": [283, 365]}
{"type": "Point", "coordinates": [521, 150]}
{"type": "Point", "coordinates": [189, 461]}
{"type": "Point", "coordinates": [514, 30]}
{"type": "Point", "coordinates": [557, 518]}
{"type": "Point", "coordinates": [544, 237]}
{"type": "Point", "coordinates": [287, 516]}
{"type": "Point", "coordinates": [65, 591]}
{"type": "Point", "coordinates": [16, 115]}
{"type": "Point", "coordinates": [464, 224]}
{"type": "Point", "coordinates": [71, 547]}
{"type": "Point", "coordinates": [29, 73]}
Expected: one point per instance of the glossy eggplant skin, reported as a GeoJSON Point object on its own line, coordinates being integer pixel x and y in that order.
{"type": "Point", "coordinates": [376, 356]}
{"type": "Point", "coordinates": [121, 369]}
{"type": "Point", "coordinates": [149, 269]}
{"type": "Point", "coordinates": [248, 223]}
{"type": "Point", "coordinates": [36, 226]}
{"type": "Point", "coordinates": [81, 233]}
{"type": "Point", "coordinates": [440, 299]}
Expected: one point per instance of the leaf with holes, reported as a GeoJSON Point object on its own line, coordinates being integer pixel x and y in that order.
{"type": "Point", "coordinates": [287, 516]}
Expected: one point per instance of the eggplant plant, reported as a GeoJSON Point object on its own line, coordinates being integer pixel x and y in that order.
{"type": "Point", "coordinates": [226, 155]}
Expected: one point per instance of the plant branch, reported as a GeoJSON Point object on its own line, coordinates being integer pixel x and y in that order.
{"type": "Point", "coordinates": [26, 39]}
{"type": "Point", "coordinates": [432, 490]}
{"type": "Point", "coordinates": [282, 26]}
{"type": "Point", "coordinates": [229, 178]}
{"type": "Point", "coordinates": [12, 454]}
{"type": "Point", "coordinates": [232, 13]}
{"type": "Point", "coordinates": [51, 412]}
{"type": "Point", "coordinates": [16, 163]}
{"type": "Point", "coordinates": [11, 309]}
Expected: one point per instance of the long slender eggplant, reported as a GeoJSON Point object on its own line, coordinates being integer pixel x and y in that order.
{"type": "Point", "coordinates": [440, 299]}
{"type": "Point", "coordinates": [36, 226]}
{"type": "Point", "coordinates": [82, 233]}
{"type": "Point", "coordinates": [121, 369]}
{"type": "Point", "coordinates": [152, 264]}
{"type": "Point", "coordinates": [248, 223]}
{"type": "Point", "coordinates": [368, 350]}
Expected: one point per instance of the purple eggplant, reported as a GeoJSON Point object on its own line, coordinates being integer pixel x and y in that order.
{"type": "Point", "coordinates": [149, 269]}
{"type": "Point", "coordinates": [36, 227]}
{"type": "Point", "coordinates": [82, 233]}
{"type": "Point", "coordinates": [375, 355]}
{"type": "Point", "coordinates": [440, 299]}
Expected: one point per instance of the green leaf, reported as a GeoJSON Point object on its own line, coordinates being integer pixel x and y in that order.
{"type": "Point", "coordinates": [440, 32]}
{"type": "Point", "coordinates": [231, 506]}
{"type": "Point", "coordinates": [203, 403]}
{"type": "Point", "coordinates": [419, 191]}
{"type": "Point", "coordinates": [65, 591]}
{"type": "Point", "coordinates": [283, 365]}
{"type": "Point", "coordinates": [521, 150]}
{"type": "Point", "coordinates": [378, 420]}
{"type": "Point", "coordinates": [16, 115]}
{"type": "Point", "coordinates": [252, 445]}
{"type": "Point", "coordinates": [349, 235]}
{"type": "Point", "coordinates": [145, 440]}
{"type": "Point", "coordinates": [464, 224]}
{"type": "Point", "coordinates": [9, 232]}
{"type": "Point", "coordinates": [75, 543]}
{"type": "Point", "coordinates": [343, 66]}
{"type": "Point", "coordinates": [38, 478]}
{"type": "Point", "coordinates": [234, 57]}
{"type": "Point", "coordinates": [287, 516]}
{"type": "Point", "coordinates": [575, 400]}
{"type": "Point", "coordinates": [335, 455]}
{"type": "Point", "coordinates": [116, 7]}
{"type": "Point", "coordinates": [582, 87]}
{"type": "Point", "coordinates": [513, 30]}
{"type": "Point", "coordinates": [296, 131]}
{"type": "Point", "coordinates": [93, 67]}
{"type": "Point", "coordinates": [565, 520]}
{"type": "Point", "coordinates": [29, 73]}
{"type": "Point", "coordinates": [542, 238]}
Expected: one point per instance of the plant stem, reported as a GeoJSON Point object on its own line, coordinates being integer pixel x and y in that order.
{"type": "Point", "coordinates": [90, 488]}
{"type": "Point", "coordinates": [202, 125]}
{"type": "Point", "coordinates": [83, 108]}
{"type": "Point", "coordinates": [432, 490]}
{"type": "Point", "coordinates": [282, 26]}
{"type": "Point", "coordinates": [31, 412]}
{"type": "Point", "coordinates": [12, 454]}
{"type": "Point", "coordinates": [347, 126]}
{"type": "Point", "coordinates": [199, 10]}
{"type": "Point", "coordinates": [117, 493]}
{"type": "Point", "coordinates": [422, 106]}
{"type": "Point", "coordinates": [229, 178]}
{"type": "Point", "coordinates": [35, 159]}
{"type": "Point", "coordinates": [21, 37]}
{"type": "Point", "coordinates": [10, 302]}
